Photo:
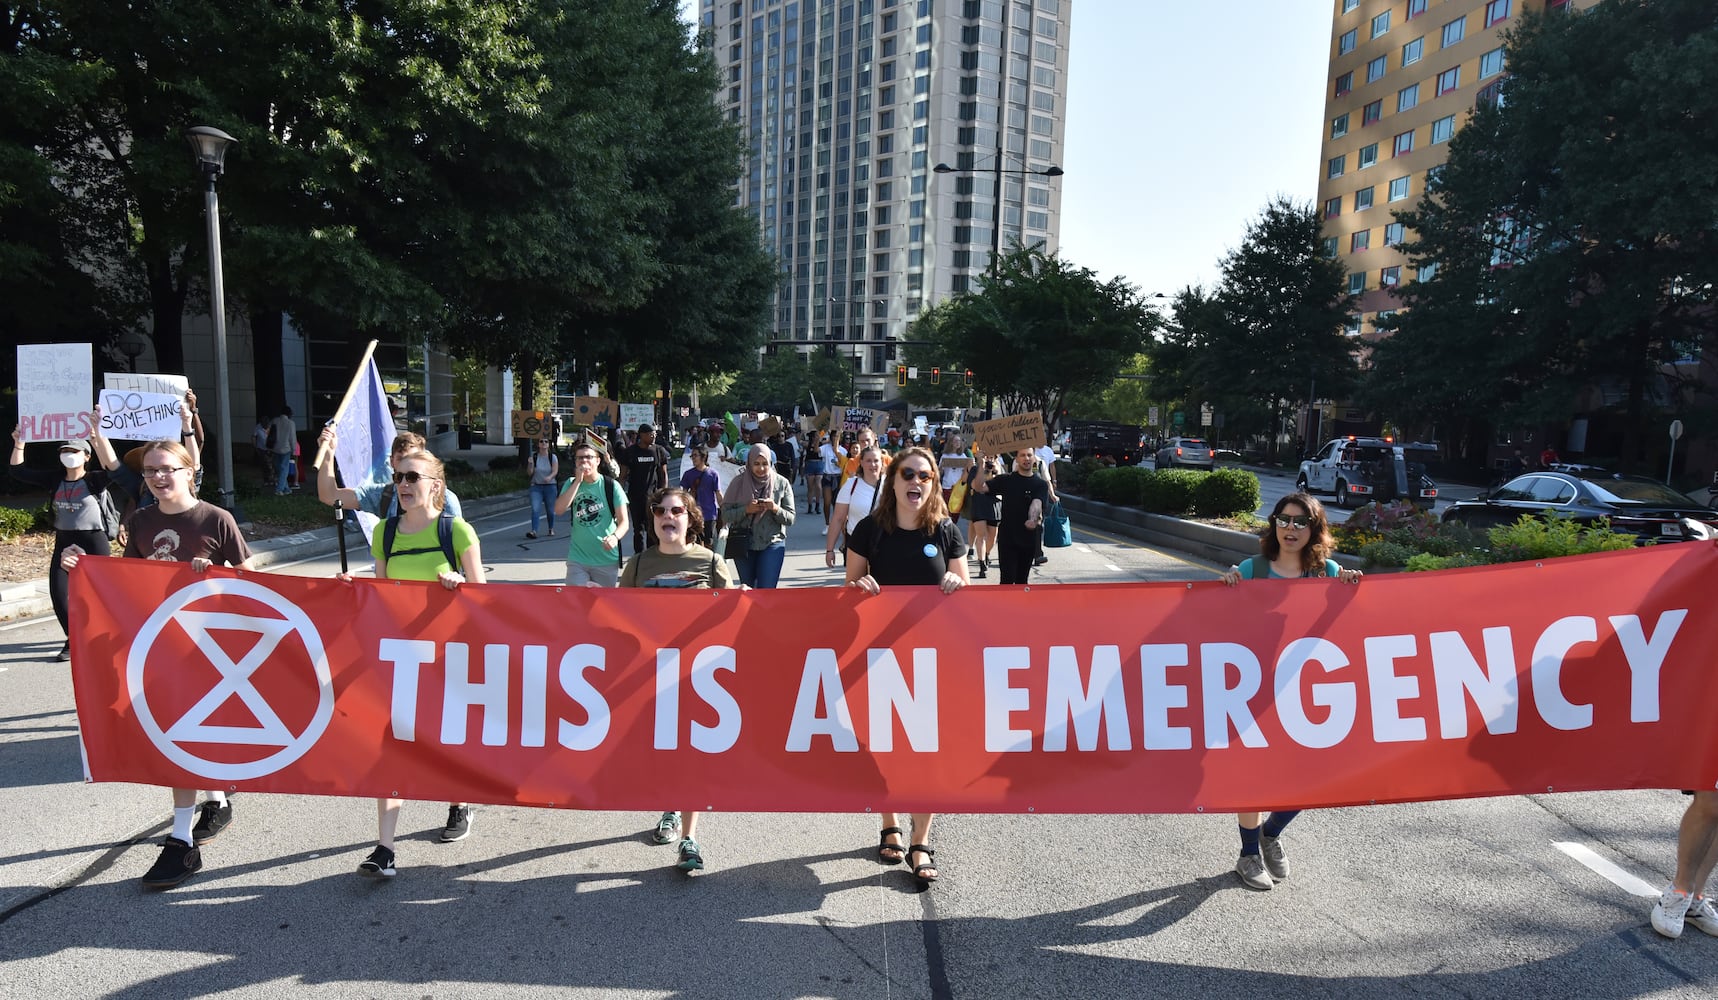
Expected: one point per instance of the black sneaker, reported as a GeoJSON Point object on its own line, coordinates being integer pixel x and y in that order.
{"type": "Point", "coordinates": [1041, 560]}
{"type": "Point", "coordinates": [380, 864]}
{"type": "Point", "coordinates": [212, 818]}
{"type": "Point", "coordinates": [178, 862]}
{"type": "Point", "coordinates": [64, 655]}
{"type": "Point", "coordinates": [458, 824]}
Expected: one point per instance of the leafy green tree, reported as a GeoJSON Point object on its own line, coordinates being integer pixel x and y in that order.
{"type": "Point", "coordinates": [784, 380]}
{"type": "Point", "coordinates": [1581, 214]}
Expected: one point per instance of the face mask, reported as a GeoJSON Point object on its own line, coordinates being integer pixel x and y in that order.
{"type": "Point", "coordinates": [70, 459]}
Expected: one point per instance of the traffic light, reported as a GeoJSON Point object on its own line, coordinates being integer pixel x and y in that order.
{"type": "Point", "coordinates": [936, 376]}
{"type": "Point", "coordinates": [969, 377]}
{"type": "Point", "coordinates": [901, 375]}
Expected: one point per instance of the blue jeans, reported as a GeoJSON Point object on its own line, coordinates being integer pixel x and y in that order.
{"type": "Point", "coordinates": [543, 497]}
{"type": "Point", "coordinates": [282, 463]}
{"type": "Point", "coordinates": [761, 569]}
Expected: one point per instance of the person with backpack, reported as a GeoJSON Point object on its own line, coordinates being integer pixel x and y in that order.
{"type": "Point", "coordinates": [375, 499]}
{"type": "Point", "coordinates": [597, 520]}
{"type": "Point", "coordinates": [84, 514]}
{"type": "Point", "coordinates": [544, 468]}
{"type": "Point", "coordinates": [421, 542]}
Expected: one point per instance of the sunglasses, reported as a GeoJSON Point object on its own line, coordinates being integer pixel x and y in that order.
{"type": "Point", "coordinates": [411, 477]}
{"type": "Point", "coordinates": [916, 476]}
{"type": "Point", "coordinates": [1285, 521]}
{"type": "Point", "coordinates": [674, 511]}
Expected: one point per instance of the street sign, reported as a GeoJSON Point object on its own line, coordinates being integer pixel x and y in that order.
{"type": "Point", "coordinates": [1152, 416]}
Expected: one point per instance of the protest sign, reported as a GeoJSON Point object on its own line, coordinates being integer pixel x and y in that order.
{"type": "Point", "coordinates": [54, 392]}
{"type": "Point", "coordinates": [596, 411]}
{"type": "Point", "coordinates": [172, 385]}
{"type": "Point", "coordinates": [532, 424]}
{"type": "Point", "coordinates": [855, 417]}
{"type": "Point", "coordinates": [770, 426]}
{"type": "Point", "coordinates": [634, 415]}
{"type": "Point", "coordinates": [133, 415]}
{"type": "Point", "coordinates": [1005, 435]}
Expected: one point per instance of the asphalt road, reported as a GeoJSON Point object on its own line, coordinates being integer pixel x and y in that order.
{"type": "Point", "coordinates": [1523, 896]}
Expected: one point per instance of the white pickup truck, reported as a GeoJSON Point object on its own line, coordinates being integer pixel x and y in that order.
{"type": "Point", "coordinates": [1361, 470]}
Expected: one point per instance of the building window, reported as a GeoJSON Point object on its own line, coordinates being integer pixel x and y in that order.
{"type": "Point", "coordinates": [1393, 234]}
{"type": "Point", "coordinates": [1372, 112]}
{"type": "Point", "coordinates": [1336, 166]}
{"type": "Point", "coordinates": [1449, 80]}
{"type": "Point", "coordinates": [1403, 144]}
{"type": "Point", "coordinates": [1339, 126]}
{"type": "Point", "coordinates": [1432, 175]}
{"type": "Point", "coordinates": [1332, 207]}
{"type": "Point", "coordinates": [1375, 69]}
{"type": "Point", "coordinates": [1329, 246]}
{"type": "Point", "coordinates": [1426, 272]}
{"type": "Point", "coordinates": [1344, 84]}
{"type": "Point", "coordinates": [1407, 97]}
{"type": "Point", "coordinates": [1412, 51]}
{"type": "Point", "coordinates": [1346, 43]}
{"type": "Point", "coordinates": [1368, 156]}
{"type": "Point", "coordinates": [1491, 63]}
{"type": "Point", "coordinates": [1398, 188]}
{"type": "Point", "coordinates": [1363, 199]}
{"type": "Point", "coordinates": [1356, 282]}
{"type": "Point", "coordinates": [1443, 129]}
{"type": "Point", "coordinates": [1495, 11]}
{"type": "Point", "coordinates": [1360, 241]}
{"type": "Point", "coordinates": [1416, 8]}
{"type": "Point", "coordinates": [1380, 24]}
{"type": "Point", "coordinates": [1348, 5]}
{"type": "Point", "coordinates": [1455, 31]}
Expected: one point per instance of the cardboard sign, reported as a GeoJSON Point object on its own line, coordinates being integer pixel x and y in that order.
{"type": "Point", "coordinates": [596, 411]}
{"type": "Point", "coordinates": [172, 385]}
{"type": "Point", "coordinates": [533, 423]}
{"type": "Point", "coordinates": [133, 415]}
{"type": "Point", "coordinates": [54, 392]}
{"type": "Point", "coordinates": [634, 414]}
{"type": "Point", "coordinates": [821, 422]}
{"type": "Point", "coordinates": [956, 462]}
{"type": "Point", "coordinates": [770, 426]}
{"type": "Point", "coordinates": [1005, 435]}
{"type": "Point", "coordinates": [855, 417]}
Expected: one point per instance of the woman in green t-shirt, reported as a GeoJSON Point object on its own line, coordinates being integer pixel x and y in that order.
{"type": "Point", "coordinates": [416, 553]}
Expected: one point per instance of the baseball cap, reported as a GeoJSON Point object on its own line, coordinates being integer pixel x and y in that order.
{"type": "Point", "coordinates": [80, 445]}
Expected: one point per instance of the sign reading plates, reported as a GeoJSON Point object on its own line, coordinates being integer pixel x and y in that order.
{"type": "Point", "coordinates": [53, 391]}
{"type": "Point", "coordinates": [1005, 435]}
{"type": "Point", "coordinates": [532, 423]}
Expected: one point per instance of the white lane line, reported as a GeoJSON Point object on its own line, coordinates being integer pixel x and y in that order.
{"type": "Point", "coordinates": [1623, 880]}
{"type": "Point", "coordinates": [1083, 548]}
{"type": "Point", "coordinates": [1113, 566]}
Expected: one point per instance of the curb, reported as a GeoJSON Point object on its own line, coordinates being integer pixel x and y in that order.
{"type": "Point", "coordinates": [30, 599]}
{"type": "Point", "coordinates": [1223, 546]}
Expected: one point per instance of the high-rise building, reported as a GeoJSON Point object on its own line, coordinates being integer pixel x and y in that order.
{"type": "Point", "coordinates": [1404, 76]}
{"type": "Point", "coordinates": [847, 107]}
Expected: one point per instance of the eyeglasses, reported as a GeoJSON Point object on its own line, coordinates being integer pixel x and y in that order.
{"type": "Point", "coordinates": [411, 477]}
{"type": "Point", "coordinates": [1284, 521]}
{"type": "Point", "coordinates": [585, 456]}
{"type": "Point", "coordinates": [151, 472]}
{"type": "Point", "coordinates": [916, 475]}
{"type": "Point", "coordinates": [674, 511]}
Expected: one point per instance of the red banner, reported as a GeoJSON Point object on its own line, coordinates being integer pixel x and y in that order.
{"type": "Point", "coordinates": [1584, 673]}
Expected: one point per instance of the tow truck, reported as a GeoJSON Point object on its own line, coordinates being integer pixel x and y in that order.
{"type": "Point", "coordinates": [1360, 470]}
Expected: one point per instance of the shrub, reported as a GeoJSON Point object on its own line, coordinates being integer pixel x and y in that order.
{"type": "Point", "coordinates": [457, 467]}
{"type": "Point", "coordinates": [44, 516]}
{"type": "Point", "coordinates": [503, 463]}
{"type": "Point", "coordinates": [1076, 478]}
{"type": "Point", "coordinates": [1170, 491]}
{"type": "Point", "coordinates": [1549, 537]}
{"type": "Point", "coordinates": [1425, 561]}
{"type": "Point", "coordinates": [14, 522]}
{"type": "Point", "coordinates": [1226, 492]}
{"type": "Point", "coordinates": [1102, 485]}
{"type": "Point", "coordinates": [1386, 553]}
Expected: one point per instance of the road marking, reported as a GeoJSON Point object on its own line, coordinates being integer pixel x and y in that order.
{"type": "Point", "coordinates": [1113, 566]}
{"type": "Point", "coordinates": [1083, 548]}
{"type": "Point", "coordinates": [1623, 880]}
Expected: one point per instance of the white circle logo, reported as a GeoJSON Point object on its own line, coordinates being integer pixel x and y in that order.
{"type": "Point", "coordinates": [237, 679]}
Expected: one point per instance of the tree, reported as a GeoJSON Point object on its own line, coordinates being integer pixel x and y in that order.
{"type": "Point", "coordinates": [1581, 215]}
{"type": "Point", "coordinates": [784, 380]}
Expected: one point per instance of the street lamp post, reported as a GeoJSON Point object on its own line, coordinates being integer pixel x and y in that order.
{"type": "Point", "coordinates": [996, 219]}
{"type": "Point", "coordinates": [210, 145]}
{"type": "Point", "coordinates": [858, 342]}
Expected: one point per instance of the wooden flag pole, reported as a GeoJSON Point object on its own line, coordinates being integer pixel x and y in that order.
{"type": "Point", "coordinates": [345, 401]}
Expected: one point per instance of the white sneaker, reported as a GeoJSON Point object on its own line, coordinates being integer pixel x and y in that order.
{"type": "Point", "coordinates": [1702, 915]}
{"type": "Point", "coordinates": [1251, 869]}
{"type": "Point", "coordinates": [1669, 912]}
{"type": "Point", "coordinates": [1276, 861]}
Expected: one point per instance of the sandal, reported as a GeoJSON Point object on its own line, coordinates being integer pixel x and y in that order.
{"type": "Point", "coordinates": [887, 853]}
{"type": "Point", "coordinates": [929, 866]}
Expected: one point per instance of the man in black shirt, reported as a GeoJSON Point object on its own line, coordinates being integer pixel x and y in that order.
{"type": "Point", "coordinates": [644, 470]}
{"type": "Point", "coordinates": [1023, 498]}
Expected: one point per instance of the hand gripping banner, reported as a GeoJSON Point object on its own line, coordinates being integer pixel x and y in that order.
{"type": "Point", "coordinates": [1583, 673]}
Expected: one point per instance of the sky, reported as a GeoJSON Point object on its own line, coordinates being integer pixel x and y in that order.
{"type": "Point", "coordinates": [1184, 118]}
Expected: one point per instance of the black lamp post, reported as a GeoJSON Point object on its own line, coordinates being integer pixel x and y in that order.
{"type": "Point", "coordinates": [859, 341]}
{"type": "Point", "coordinates": [996, 217]}
{"type": "Point", "coordinates": [209, 146]}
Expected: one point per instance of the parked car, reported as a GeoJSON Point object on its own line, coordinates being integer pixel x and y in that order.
{"type": "Point", "coordinates": [1361, 470]}
{"type": "Point", "coordinates": [1180, 451]}
{"type": "Point", "coordinates": [1103, 439]}
{"type": "Point", "coordinates": [1646, 507]}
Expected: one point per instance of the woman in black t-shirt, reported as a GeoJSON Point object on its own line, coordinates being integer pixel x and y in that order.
{"type": "Point", "coordinates": [909, 540]}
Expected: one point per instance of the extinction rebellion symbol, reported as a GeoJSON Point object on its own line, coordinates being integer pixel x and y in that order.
{"type": "Point", "coordinates": [249, 653]}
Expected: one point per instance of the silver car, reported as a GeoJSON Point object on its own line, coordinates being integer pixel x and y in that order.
{"type": "Point", "coordinates": [1180, 451]}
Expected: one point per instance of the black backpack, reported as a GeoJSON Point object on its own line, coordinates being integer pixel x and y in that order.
{"type": "Point", "coordinates": [443, 535]}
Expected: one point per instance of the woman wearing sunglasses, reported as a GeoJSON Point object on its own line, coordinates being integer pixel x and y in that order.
{"type": "Point", "coordinates": [1295, 543]}
{"type": "Point", "coordinates": [909, 541]}
{"type": "Point", "coordinates": [677, 561]}
{"type": "Point", "coordinates": [416, 553]}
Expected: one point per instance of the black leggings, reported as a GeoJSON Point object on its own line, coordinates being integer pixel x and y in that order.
{"type": "Point", "coordinates": [93, 543]}
{"type": "Point", "coordinates": [1014, 560]}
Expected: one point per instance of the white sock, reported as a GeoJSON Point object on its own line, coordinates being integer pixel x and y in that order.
{"type": "Point", "coordinates": [218, 797]}
{"type": "Point", "coordinates": [182, 822]}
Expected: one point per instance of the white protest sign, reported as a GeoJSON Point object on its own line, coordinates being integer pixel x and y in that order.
{"type": "Point", "coordinates": [140, 416]}
{"type": "Point", "coordinates": [54, 390]}
{"type": "Point", "coordinates": [634, 414]}
{"type": "Point", "coordinates": [172, 385]}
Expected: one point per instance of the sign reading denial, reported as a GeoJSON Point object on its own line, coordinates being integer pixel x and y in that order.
{"type": "Point", "coordinates": [54, 391]}
{"type": "Point", "coordinates": [1006, 435]}
{"type": "Point", "coordinates": [1567, 675]}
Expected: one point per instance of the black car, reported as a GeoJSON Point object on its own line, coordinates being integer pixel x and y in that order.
{"type": "Point", "coordinates": [1646, 507]}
